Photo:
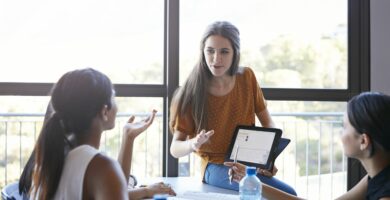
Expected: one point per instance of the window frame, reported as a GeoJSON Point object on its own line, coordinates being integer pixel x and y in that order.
{"type": "Point", "coordinates": [358, 78]}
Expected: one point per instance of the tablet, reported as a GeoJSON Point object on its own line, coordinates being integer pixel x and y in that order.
{"type": "Point", "coordinates": [256, 146]}
{"type": "Point", "coordinates": [283, 142]}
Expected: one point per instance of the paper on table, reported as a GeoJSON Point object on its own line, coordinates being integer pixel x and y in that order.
{"type": "Point", "coordinates": [196, 195]}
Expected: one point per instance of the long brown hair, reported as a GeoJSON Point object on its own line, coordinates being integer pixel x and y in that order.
{"type": "Point", "coordinates": [194, 91]}
{"type": "Point", "coordinates": [77, 98]}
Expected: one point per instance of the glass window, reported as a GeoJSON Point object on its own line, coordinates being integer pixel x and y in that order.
{"type": "Point", "coordinates": [41, 40]}
{"type": "Point", "coordinates": [289, 44]}
{"type": "Point", "coordinates": [147, 154]}
{"type": "Point", "coordinates": [320, 169]}
{"type": "Point", "coordinates": [21, 120]}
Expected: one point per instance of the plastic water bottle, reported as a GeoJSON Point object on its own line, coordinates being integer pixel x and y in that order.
{"type": "Point", "coordinates": [250, 185]}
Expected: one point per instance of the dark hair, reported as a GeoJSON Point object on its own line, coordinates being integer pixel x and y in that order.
{"type": "Point", "coordinates": [194, 91]}
{"type": "Point", "coordinates": [76, 99]}
{"type": "Point", "coordinates": [25, 179]}
{"type": "Point", "coordinates": [369, 113]}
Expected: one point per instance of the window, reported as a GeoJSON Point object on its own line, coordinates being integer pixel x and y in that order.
{"type": "Point", "coordinates": [283, 45]}
{"type": "Point", "coordinates": [41, 40]}
{"type": "Point", "coordinates": [314, 162]}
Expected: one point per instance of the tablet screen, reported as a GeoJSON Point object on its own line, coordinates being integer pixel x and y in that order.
{"type": "Point", "coordinates": [255, 145]}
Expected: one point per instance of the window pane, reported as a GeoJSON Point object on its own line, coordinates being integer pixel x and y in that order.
{"type": "Point", "coordinates": [314, 162]}
{"type": "Point", "coordinates": [40, 40]}
{"type": "Point", "coordinates": [289, 44]}
{"type": "Point", "coordinates": [21, 123]}
{"type": "Point", "coordinates": [147, 154]}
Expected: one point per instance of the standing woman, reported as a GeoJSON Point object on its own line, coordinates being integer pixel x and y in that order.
{"type": "Point", "coordinates": [217, 96]}
{"type": "Point", "coordinates": [67, 162]}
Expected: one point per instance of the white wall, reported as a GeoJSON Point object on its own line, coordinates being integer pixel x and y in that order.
{"type": "Point", "coordinates": [380, 46]}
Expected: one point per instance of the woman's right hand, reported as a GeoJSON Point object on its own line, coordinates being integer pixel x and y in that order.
{"type": "Point", "coordinates": [200, 139]}
{"type": "Point", "coordinates": [133, 129]}
{"type": "Point", "coordinates": [159, 188]}
{"type": "Point", "coordinates": [237, 170]}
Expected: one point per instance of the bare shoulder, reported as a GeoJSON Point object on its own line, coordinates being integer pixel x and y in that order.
{"type": "Point", "coordinates": [101, 162]}
{"type": "Point", "coordinates": [104, 179]}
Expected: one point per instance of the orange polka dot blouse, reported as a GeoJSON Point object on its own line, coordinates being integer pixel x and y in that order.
{"type": "Point", "coordinates": [239, 107]}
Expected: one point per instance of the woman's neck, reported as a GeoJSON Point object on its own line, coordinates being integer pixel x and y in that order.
{"type": "Point", "coordinates": [91, 136]}
{"type": "Point", "coordinates": [375, 164]}
{"type": "Point", "coordinates": [220, 86]}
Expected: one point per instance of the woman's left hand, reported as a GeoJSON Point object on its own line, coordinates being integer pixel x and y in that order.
{"type": "Point", "coordinates": [159, 188]}
{"type": "Point", "coordinates": [133, 129]}
{"type": "Point", "coordinates": [268, 173]}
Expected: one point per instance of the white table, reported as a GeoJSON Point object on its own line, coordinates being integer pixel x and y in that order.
{"type": "Point", "coordinates": [183, 184]}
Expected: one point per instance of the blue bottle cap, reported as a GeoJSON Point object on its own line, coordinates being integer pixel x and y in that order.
{"type": "Point", "coordinates": [160, 197]}
{"type": "Point", "coordinates": [250, 170]}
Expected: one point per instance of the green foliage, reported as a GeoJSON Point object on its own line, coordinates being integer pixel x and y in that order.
{"type": "Point", "coordinates": [289, 61]}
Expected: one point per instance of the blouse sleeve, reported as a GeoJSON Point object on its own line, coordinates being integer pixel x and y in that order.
{"type": "Point", "coordinates": [259, 100]}
{"type": "Point", "coordinates": [185, 124]}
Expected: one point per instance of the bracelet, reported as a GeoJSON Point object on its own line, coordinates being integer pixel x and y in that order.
{"type": "Point", "coordinates": [132, 181]}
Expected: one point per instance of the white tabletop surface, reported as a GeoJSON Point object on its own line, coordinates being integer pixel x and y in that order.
{"type": "Point", "coordinates": [183, 184]}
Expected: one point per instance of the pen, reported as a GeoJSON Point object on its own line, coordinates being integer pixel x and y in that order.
{"type": "Point", "coordinates": [235, 161]}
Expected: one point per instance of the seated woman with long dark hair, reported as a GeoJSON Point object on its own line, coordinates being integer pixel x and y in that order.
{"type": "Point", "coordinates": [66, 162]}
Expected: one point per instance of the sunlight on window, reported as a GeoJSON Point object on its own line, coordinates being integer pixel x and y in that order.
{"type": "Point", "coordinates": [41, 40]}
{"type": "Point", "coordinates": [289, 44]}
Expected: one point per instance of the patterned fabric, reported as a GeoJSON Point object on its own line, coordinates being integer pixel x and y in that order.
{"type": "Point", "coordinates": [224, 113]}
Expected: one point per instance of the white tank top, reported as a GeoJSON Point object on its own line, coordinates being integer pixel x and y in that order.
{"type": "Point", "coordinates": [72, 177]}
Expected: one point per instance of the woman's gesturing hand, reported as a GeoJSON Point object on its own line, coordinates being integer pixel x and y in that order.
{"type": "Point", "coordinates": [133, 129]}
{"type": "Point", "coordinates": [200, 139]}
